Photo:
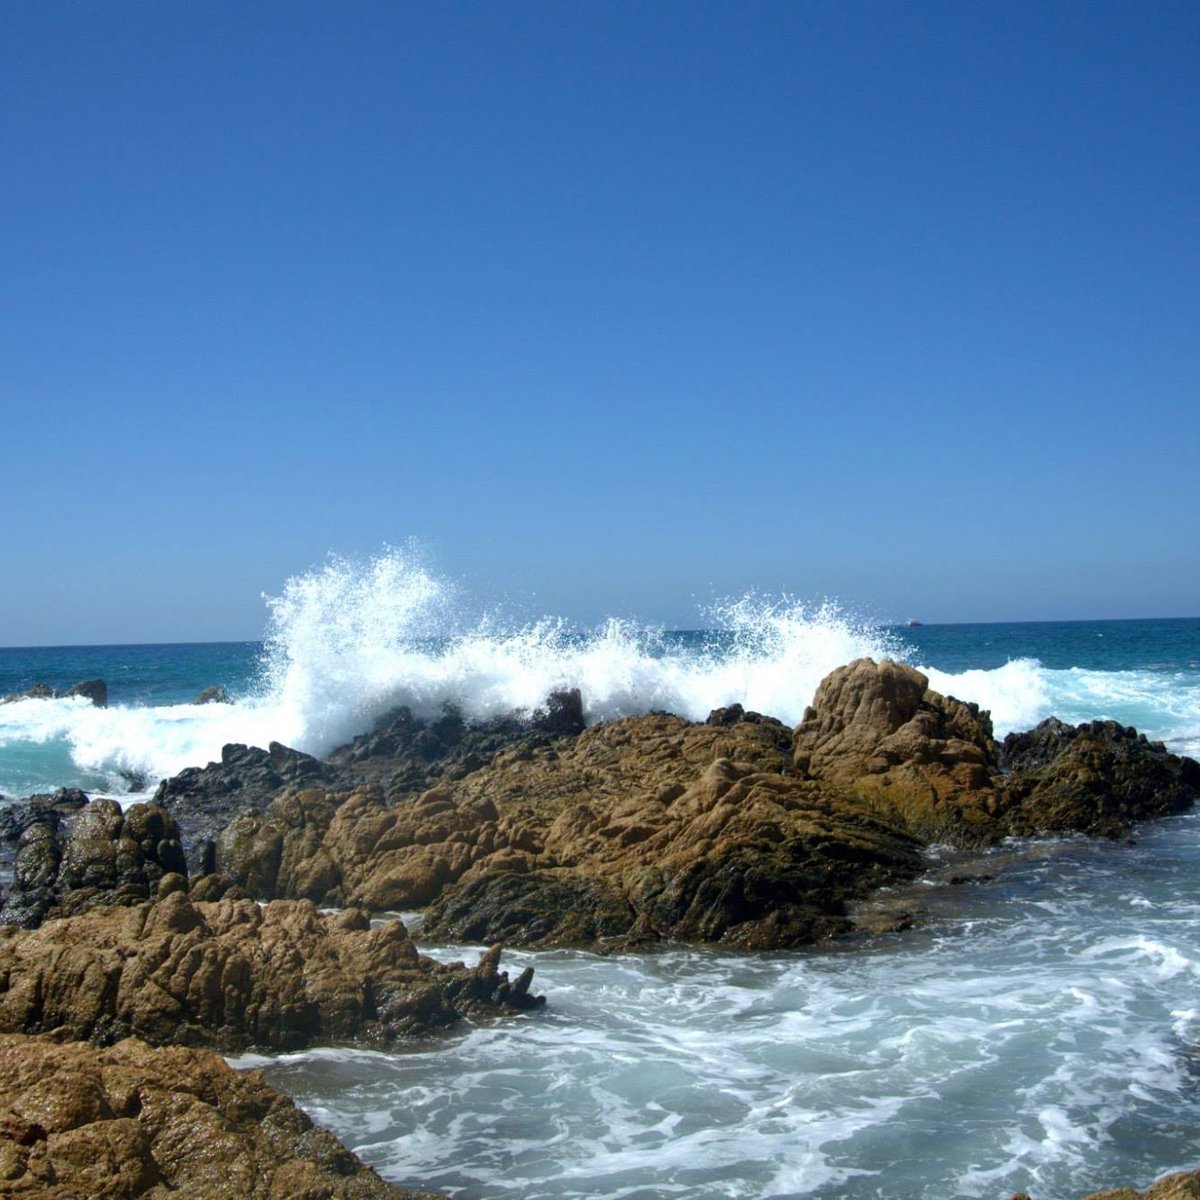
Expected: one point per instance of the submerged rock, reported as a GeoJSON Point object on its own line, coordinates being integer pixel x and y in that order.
{"type": "Point", "coordinates": [133, 1121]}
{"type": "Point", "coordinates": [234, 975]}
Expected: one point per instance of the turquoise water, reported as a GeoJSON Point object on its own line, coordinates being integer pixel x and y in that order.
{"type": "Point", "coordinates": [326, 676]}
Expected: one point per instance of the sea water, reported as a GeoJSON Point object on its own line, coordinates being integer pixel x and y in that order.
{"type": "Point", "coordinates": [1038, 1030]}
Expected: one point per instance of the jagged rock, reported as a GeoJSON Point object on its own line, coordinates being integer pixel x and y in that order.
{"type": "Point", "coordinates": [132, 1121]}
{"type": "Point", "coordinates": [212, 695]}
{"type": "Point", "coordinates": [1097, 778]}
{"type": "Point", "coordinates": [39, 691]}
{"type": "Point", "coordinates": [638, 829]}
{"type": "Point", "coordinates": [45, 808]}
{"type": "Point", "coordinates": [878, 730]}
{"type": "Point", "coordinates": [563, 714]}
{"type": "Point", "coordinates": [110, 857]}
{"type": "Point", "coordinates": [1183, 1185]}
{"type": "Point", "coordinates": [233, 975]}
{"type": "Point", "coordinates": [203, 800]}
{"type": "Point", "coordinates": [736, 831]}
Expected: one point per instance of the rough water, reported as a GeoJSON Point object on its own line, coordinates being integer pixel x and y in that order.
{"type": "Point", "coordinates": [1037, 1031]}
{"type": "Point", "coordinates": [1040, 1035]}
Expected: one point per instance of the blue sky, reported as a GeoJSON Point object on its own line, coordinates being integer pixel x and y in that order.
{"type": "Point", "coordinates": [617, 307]}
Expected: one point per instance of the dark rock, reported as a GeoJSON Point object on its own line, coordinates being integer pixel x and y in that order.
{"type": "Point", "coordinates": [39, 691]}
{"type": "Point", "coordinates": [96, 690]}
{"type": "Point", "coordinates": [203, 800]}
{"type": "Point", "coordinates": [1098, 778]}
{"type": "Point", "coordinates": [563, 714]}
{"type": "Point", "coordinates": [212, 695]}
{"type": "Point", "coordinates": [108, 858]}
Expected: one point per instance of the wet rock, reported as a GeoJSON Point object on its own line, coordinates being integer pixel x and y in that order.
{"type": "Point", "coordinates": [109, 857]}
{"type": "Point", "coordinates": [879, 731]}
{"type": "Point", "coordinates": [563, 714]}
{"type": "Point", "coordinates": [1183, 1185]}
{"type": "Point", "coordinates": [39, 691]}
{"type": "Point", "coordinates": [234, 974]}
{"type": "Point", "coordinates": [203, 800]}
{"type": "Point", "coordinates": [637, 830]}
{"type": "Point", "coordinates": [1098, 778]}
{"type": "Point", "coordinates": [134, 1121]}
{"type": "Point", "coordinates": [212, 695]}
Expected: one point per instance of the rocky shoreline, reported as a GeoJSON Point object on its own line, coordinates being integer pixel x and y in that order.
{"type": "Point", "coordinates": [195, 921]}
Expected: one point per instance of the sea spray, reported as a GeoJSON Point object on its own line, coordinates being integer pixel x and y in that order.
{"type": "Point", "coordinates": [350, 640]}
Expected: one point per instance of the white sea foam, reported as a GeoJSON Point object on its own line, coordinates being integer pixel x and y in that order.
{"type": "Point", "coordinates": [350, 640]}
{"type": "Point", "coordinates": [1040, 1047]}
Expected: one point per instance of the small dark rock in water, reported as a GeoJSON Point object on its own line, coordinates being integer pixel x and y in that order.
{"type": "Point", "coordinates": [563, 713]}
{"type": "Point", "coordinates": [134, 780]}
{"type": "Point", "coordinates": [96, 690]}
{"type": "Point", "coordinates": [212, 695]}
{"type": "Point", "coordinates": [39, 691]}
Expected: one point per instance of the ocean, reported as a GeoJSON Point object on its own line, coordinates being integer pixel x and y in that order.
{"type": "Point", "coordinates": [1038, 1030]}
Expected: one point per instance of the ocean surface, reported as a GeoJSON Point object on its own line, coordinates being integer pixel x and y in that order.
{"type": "Point", "coordinates": [1039, 1030]}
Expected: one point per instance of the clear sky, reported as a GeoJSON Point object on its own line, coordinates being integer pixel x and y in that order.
{"type": "Point", "coordinates": [618, 307]}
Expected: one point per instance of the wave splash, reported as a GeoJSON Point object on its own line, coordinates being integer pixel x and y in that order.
{"type": "Point", "coordinates": [348, 641]}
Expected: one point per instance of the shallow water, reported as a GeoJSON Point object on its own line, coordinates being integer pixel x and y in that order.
{"type": "Point", "coordinates": [1038, 1032]}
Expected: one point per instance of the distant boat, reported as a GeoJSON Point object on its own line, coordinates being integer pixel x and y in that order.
{"type": "Point", "coordinates": [913, 623]}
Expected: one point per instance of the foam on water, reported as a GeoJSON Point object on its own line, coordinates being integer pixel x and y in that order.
{"type": "Point", "coordinates": [1041, 1039]}
{"type": "Point", "coordinates": [350, 640]}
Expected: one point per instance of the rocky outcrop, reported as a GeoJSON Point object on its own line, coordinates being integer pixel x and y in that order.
{"type": "Point", "coordinates": [52, 809]}
{"type": "Point", "coordinates": [639, 829]}
{"type": "Point", "coordinates": [95, 690]}
{"type": "Point", "coordinates": [878, 731]}
{"type": "Point", "coordinates": [212, 695]}
{"type": "Point", "coordinates": [1183, 1185]}
{"type": "Point", "coordinates": [736, 831]}
{"type": "Point", "coordinates": [132, 1122]}
{"type": "Point", "coordinates": [882, 734]}
{"type": "Point", "coordinates": [1098, 778]}
{"type": "Point", "coordinates": [110, 858]}
{"type": "Point", "coordinates": [203, 800]}
{"type": "Point", "coordinates": [234, 975]}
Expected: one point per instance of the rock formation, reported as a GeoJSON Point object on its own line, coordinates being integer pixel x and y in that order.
{"type": "Point", "coordinates": [110, 857]}
{"type": "Point", "coordinates": [133, 1122]}
{"type": "Point", "coordinates": [234, 975]}
{"type": "Point", "coordinates": [96, 690]}
{"type": "Point", "coordinates": [736, 831]}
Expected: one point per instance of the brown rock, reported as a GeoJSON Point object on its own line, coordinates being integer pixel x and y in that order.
{"type": "Point", "coordinates": [925, 759]}
{"type": "Point", "coordinates": [735, 831]}
{"type": "Point", "coordinates": [233, 974]}
{"type": "Point", "coordinates": [132, 1121]}
{"type": "Point", "coordinates": [1184, 1185]}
